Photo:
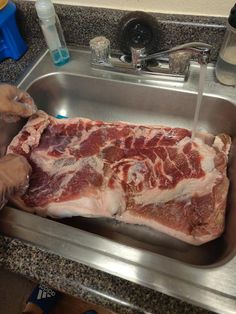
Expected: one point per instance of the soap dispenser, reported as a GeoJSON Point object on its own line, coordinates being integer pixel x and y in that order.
{"type": "Point", "coordinates": [226, 63]}
{"type": "Point", "coordinates": [12, 44]}
{"type": "Point", "coordinates": [52, 31]}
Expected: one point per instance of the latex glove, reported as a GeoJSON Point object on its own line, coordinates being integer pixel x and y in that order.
{"type": "Point", "coordinates": [15, 103]}
{"type": "Point", "coordinates": [14, 176]}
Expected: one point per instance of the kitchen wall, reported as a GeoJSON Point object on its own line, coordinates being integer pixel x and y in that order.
{"type": "Point", "coordinates": [193, 7]}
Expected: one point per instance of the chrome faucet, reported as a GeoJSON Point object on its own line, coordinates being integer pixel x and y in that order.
{"type": "Point", "coordinates": [179, 56]}
{"type": "Point", "coordinates": [172, 64]}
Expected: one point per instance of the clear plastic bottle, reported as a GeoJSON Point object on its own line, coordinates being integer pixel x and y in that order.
{"type": "Point", "coordinates": [52, 31]}
{"type": "Point", "coordinates": [226, 63]}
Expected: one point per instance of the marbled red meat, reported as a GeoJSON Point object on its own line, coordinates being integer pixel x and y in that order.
{"type": "Point", "coordinates": [150, 175]}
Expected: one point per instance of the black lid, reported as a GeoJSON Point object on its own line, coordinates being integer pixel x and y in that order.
{"type": "Point", "coordinates": [138, 29]}
{"type": "Point", "coordinates": [232, 17]}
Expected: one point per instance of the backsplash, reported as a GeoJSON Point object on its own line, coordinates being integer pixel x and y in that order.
{"type": "Point", "coordinates": [190, 7]}
{"type": "Point", "coordinates": [80, 24]}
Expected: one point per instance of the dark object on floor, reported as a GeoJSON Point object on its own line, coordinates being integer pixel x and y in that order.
{"type": "Point", "coordinates": [42, 300]}
{"type": "Point", "coordinates": [45, 300]}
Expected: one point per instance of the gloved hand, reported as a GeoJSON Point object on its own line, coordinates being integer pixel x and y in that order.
{"type": "Point", "coordinates": [14, 176]}
{"type": "Point", "coordinates": [15, 103]}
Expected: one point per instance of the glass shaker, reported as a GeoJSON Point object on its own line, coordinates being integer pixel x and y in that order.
{"type": "Point", "coordinates": [226, 63]}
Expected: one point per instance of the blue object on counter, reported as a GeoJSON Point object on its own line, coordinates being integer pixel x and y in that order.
{"type": "Point", "coordinates": [12, 44]}
{"type": "Point", "coordinates": [90, 312]}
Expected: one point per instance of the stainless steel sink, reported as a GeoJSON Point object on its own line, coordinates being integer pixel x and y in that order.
{"type": "Point", "coordinates": [204, 275]}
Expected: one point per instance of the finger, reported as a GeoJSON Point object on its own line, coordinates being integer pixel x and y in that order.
{"type": "Point", "coordinates": [16, 160]}
{"type": "Point", "coordinates": [27, 108]}
{"type": "Point", "coordinates": [17, 102]}
{"type": "Point", "coordinates": [9, 118]}
{"type": "Point", "coordinates": [18, 108]}
{"type": "Point", "coordinates": [14, 176]}
{"type": "Point", "coordinates": [10, 91]}
{"type": "Point", "coordinates": [21, 190]}
{"type": "Point", "coordinates": [27, 101]}
{"type": "Point", "coordinates": [25, 98]}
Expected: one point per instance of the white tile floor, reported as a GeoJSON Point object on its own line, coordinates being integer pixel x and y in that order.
{"type": "Point", "coordinates": [14, 291]}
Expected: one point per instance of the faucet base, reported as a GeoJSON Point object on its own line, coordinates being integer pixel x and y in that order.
{"type": "Point", "coordinates": [161, 71]}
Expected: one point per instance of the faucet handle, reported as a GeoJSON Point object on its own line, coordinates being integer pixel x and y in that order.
{"type": "Point", "coordinates": [204, 56]}
{"type": "Point", "coordinates": [201, 51]}
{"type": "Point", "coordinates": [180, 56]}
{"type": "Point", "coordinates": [179, 61]}
{"type": "Point", "coordinates": [137, 55]}
{"type": "Point", "coordinates": [100, 50]}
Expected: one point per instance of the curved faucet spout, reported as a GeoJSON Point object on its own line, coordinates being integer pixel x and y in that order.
{"type": "Point", "coordinates": [197, 50]}
{"type": "Point", "coordinates": [194, 47]}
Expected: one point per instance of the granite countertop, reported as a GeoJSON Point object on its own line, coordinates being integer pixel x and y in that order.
{"type": "Point", "coordinates": [40, 265]}
{"type": "Point", "coordinates": [89, 284]}
{"type": "Point", "coordinates": [11, 71]}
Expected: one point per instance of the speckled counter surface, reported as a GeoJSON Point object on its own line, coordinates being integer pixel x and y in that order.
{"type": "Point", "coordinates": [92, 285]}
{"type": "Point", "coordinates": [80, 24]}
{"type": "Point", "coordinates": [66, 275]}
{"type": "Point", "coordinates": [11, 71]}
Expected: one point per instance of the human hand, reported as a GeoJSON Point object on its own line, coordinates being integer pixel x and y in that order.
{"type": "Point", "coordinates": [15, 103]}
{"type": "Point", "coordinates": [14, 176]}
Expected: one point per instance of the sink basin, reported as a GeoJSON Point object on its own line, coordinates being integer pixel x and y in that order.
{"type": "Point", "coordinates": [72, 95]}
{"type": "Point", "coordinates": [204, 275]}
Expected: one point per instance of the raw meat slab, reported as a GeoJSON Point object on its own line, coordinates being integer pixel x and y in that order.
{"type": "Point", "coordinates": [149, 175]}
